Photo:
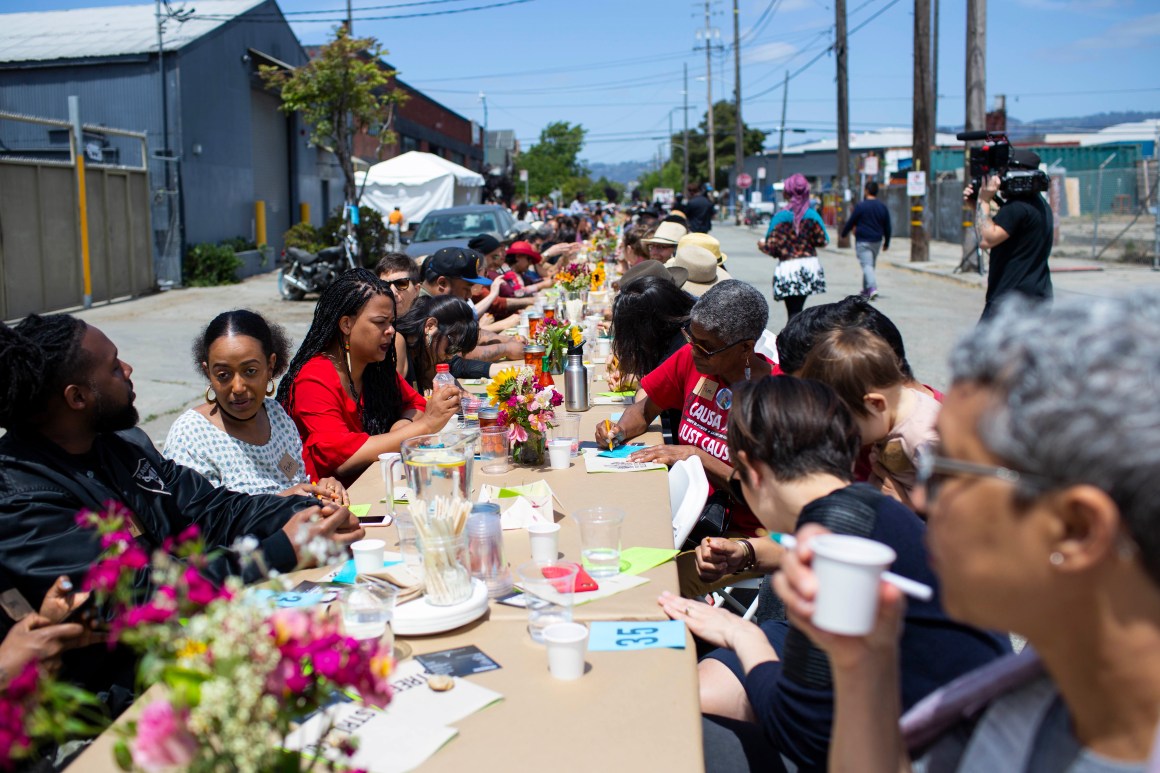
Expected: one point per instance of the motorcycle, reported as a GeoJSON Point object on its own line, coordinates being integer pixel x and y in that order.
{"type": "Point", "coordinates": [312, 272]}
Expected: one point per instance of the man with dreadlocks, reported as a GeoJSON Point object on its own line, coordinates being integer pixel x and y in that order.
{"type": "Point", "coordinates": [66, 400]}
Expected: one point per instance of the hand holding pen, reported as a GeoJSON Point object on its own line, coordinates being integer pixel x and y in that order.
{"type": "Point", "coordinates": [608, 434]}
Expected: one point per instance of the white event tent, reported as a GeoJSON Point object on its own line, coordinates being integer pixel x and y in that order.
{"type": "Point", "coordinates": [418, 183]}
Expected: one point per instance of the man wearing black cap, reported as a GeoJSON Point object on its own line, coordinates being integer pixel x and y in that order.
{"type": "Point", "coordinates": [1019, 237]}
{"type": "Point", "coordinates": [452, 271]}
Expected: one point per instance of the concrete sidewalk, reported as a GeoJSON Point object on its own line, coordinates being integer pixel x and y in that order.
{"type": "Point", "coordinates": [946, 257]}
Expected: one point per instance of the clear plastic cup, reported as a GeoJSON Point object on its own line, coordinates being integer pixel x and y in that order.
{"type": "Point", "coordinates": [409, 545]}
{"type": "Point", "coordinates": [568, 428]}
{"type": "Point", "coordinates": [494, 451]}
{"type": "Point", "coordinates": [367, 611]}
{"type": "Point", "coordinates": [548, 589]}
{"type": "Point", "coordinates": [600, 539]}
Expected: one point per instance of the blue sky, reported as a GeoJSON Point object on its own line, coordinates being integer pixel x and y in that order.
{"type": "Point", "coordinates": [615, 65]}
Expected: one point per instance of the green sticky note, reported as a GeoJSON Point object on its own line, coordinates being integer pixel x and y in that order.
{"type": "Point", "coordinates": [536, 490]}
{"type": "Point", "coordinates": [360, 511]}
{"type": "Point", "coordinates": [625, 393]}
{"type": "Point", "coordinates": [642, 559]}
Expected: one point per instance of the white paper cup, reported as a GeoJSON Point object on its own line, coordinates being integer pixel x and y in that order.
{"type": "Point", "coordinates": [545, 541]}
{"type": "Point", "coordinates": [560, 453]}
{"type": "Point", "coordinates": [603, 347]}
{"type": "Point", "coordinates": [567, 644]}
{"type": "Point", "coordinates": [368, 555]}
{"type": "Point", "coordinates": [848, 571]}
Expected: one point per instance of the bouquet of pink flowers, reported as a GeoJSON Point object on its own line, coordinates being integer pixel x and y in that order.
{"type": "Point", "coordinates": [526, 410]}
{"type": "Point", "coordinates": [234, 673]}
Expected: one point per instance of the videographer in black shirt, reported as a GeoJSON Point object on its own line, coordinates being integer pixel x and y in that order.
{"type": "Point", "coordinates": [1019, 235]}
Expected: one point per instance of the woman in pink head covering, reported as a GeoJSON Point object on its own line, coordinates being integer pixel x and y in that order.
{"type": "Point", "coordinates": [794, 235]}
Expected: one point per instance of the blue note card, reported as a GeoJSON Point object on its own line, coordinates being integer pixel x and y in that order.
{"type": "Point", "coordinates": [635, 635]}
{"type": "Point", "coordinates": [621, 452]}
{"type": "Point", "coordinates": [347, 573]}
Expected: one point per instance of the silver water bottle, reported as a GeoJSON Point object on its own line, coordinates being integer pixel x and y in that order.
{"type": "Point", "coordinates": [576, 382]}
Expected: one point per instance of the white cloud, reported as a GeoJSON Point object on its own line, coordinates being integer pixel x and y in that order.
{"type": "Point", "coordinates": [768, 52]}
{"type": "Point", "coordinates": [1129, 34]}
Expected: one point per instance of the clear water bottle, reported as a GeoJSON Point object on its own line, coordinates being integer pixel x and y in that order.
{"type": "Point", "coordinates": [443, 377]}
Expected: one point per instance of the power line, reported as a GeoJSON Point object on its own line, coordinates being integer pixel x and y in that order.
{"type": "Point", "coordinates": [374, 7]}
{"type": "Point", "coordinates": [825, 51]}
{"type": "Point", "coordinates": [278, 18]}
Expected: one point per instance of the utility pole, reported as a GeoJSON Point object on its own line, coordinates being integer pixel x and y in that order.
{"type": "Point", "coordinates": [349, 21]}
{"type": "Point", "coordinates": [781, 129]}
{"type": "Point", "coordinates": [711, 137]}
{"type": "Point", "coordinates": [934, 73]}
{"type": "Point", "coordinates": [843, 120]}
{"type": "Point", "coordinates": [920, 130]}
{"type": "Point", "coordinates": [739, 153]}
{"type": "Point", "coordinates": [976, 107]}
{"type": "Point", "coordinates": [686, 139]}
{"type": "Point", "coordinates": [1156, 201]}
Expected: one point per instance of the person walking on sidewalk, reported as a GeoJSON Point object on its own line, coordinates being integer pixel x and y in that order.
{"type": "Point", "coordinates": [870, 222]}
{"type": "Point", "coordinates": [794, 235]}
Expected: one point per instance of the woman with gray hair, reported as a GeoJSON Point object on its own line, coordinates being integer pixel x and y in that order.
{"type": "Point", "coordinates": [1043, 521]}
{"type": "Point", "coordinates": [698, 380]}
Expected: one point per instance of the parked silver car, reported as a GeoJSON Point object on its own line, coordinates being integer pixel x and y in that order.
{"type": "Point", "coordinates": [455, 227]}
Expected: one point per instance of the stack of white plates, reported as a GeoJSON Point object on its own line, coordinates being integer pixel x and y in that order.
{"type": "Point", "coordinates": [421, 618]}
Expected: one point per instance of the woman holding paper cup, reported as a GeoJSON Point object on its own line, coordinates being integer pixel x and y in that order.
{"type": "Point", "coordinates": [1042, 520]}
{"type": "Point", "coordinates": [794, 445]}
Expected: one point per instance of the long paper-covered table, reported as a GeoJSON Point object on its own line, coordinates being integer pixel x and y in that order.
{"type": "Point", "coordinates": [634, 710]}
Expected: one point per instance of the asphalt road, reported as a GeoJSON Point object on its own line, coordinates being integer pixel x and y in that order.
{"type": "Point", "coordinates": [155, 333]}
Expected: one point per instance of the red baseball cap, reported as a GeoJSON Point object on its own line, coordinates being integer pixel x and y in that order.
{"type": "Point", "coordinates": [524, 248]}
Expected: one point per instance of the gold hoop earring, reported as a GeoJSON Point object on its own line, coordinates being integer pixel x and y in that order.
{"type": "Point", "coordinates": [209, 398]}
{"type": "Point", "coordinates": [270, 389]}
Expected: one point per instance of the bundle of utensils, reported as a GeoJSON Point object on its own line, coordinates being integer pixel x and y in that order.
{"type": "Point", "coordinates": [440, 525]}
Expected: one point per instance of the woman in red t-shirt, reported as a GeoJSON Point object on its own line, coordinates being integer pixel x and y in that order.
{"type": "Point", "coordinates": [723, 328]}
{"type": "Point", "coordinates": [342, 389]}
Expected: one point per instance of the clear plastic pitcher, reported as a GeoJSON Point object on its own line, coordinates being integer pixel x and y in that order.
{"type": "Point", "coordinates": [440, 465]}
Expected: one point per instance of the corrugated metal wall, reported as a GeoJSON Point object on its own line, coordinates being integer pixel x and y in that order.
{"type": "Point", "coordinates": [209, 83]}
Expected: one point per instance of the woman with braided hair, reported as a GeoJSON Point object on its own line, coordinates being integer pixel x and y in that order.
{"type": "Point", "coordinates": [342, 388]}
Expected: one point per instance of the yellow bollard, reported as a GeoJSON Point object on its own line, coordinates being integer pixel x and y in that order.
{"type": "Point", "coordinates": [304, 212]}
{"type": "Point", "coordinates": [260, 222]}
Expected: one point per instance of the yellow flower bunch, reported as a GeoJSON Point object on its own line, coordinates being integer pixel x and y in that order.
{"type": "Point", "coordinates": [563, 277]}
{"type": "Point", "coordinates": [497, 383]}
{"type": "Point", "coordinates": [597, 276]}
{"type": "Point", "coordinates": [576, 335]}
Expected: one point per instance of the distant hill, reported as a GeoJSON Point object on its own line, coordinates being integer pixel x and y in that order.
{"type": "Point", "coordinates": [1027, 130]}
{"type": "Point", "coordinates": [622, 172]}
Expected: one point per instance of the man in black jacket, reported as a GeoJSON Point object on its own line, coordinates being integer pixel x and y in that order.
{"type": "Point", "coordinates": [698, 209]}
{"type": "Point", "coordinates": [66, 399]}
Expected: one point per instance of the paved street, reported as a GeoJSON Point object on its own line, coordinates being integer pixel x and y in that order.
{"type": "Point", "coordinates": [155, 333]}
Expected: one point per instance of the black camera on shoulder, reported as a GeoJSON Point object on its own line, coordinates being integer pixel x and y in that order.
{"type": "Point", "coordinates": [1018, 169]}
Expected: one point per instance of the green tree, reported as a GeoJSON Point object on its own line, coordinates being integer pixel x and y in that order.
{"type": "Point", "coordinates": [340, 93]}
{"type": "Point", "coordinates": [725, 129]}
{"type": "Point", "coordinates": [670, 175]}
{"type": "Point", "coordinates": [554, 161]}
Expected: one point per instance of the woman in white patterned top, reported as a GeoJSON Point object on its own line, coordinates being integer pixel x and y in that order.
{"type": "Point", "coordinates": [241, 438]}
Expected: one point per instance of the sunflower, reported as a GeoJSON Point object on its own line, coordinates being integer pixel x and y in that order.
{"type": "Point", "coordinates": [497, 384]}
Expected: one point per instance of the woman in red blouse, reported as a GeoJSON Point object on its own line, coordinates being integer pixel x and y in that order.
{"type": "Point", "coordinates": [342, 389]}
